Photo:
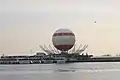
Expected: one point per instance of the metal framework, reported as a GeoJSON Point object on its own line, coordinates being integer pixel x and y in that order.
{"type": "Point", "coordinates": [52, 50]}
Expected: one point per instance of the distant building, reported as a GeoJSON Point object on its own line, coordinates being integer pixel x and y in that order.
{"type": "Point", "coordinates": [42, 54]}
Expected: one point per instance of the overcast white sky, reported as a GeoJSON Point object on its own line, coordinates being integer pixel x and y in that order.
{"type": "Point", "coordinates": [24, 24]}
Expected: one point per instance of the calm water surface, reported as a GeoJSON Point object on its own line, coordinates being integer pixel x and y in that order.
{"type": "Point", "coordinates": [83, 71]}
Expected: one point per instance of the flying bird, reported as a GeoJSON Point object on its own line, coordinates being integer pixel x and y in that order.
{"type": "Point", "coordinates": [95, 22]}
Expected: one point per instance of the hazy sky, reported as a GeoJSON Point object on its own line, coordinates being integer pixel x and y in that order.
{"type": "Point", "coordinates": [24, 24]}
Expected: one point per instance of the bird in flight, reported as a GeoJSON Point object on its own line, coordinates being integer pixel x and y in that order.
{"type": "Point", "coordinates": [94, 21]}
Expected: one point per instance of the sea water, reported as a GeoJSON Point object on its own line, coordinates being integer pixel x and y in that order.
{"type": "Point", "coordinates": [82, 71]}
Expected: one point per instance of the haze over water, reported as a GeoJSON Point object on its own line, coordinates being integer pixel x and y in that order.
{"type": "Point", "coordinates": [83, 71]}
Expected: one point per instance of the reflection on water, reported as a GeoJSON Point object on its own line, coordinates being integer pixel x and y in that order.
{"type": "Point", "coordinates": [83, 71]}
